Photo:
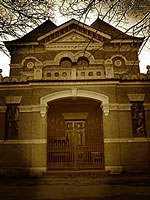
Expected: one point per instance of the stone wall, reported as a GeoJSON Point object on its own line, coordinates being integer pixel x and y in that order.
{"type": "Point", "coordinates": [123, 152]}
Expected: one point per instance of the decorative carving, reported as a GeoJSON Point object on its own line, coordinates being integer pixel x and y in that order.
{"type": "Point", "coordinates": [11, 123]}
{"type": "Point", "coordinates": [74, 37]}
{"type": "Point", "coordinates": [117, 63]}
{"type": "Point", "coordinates": [30, 65]}
{"type": "Point", "coordinates": [30, 58]}
{"type": "Point", "coordinates": [138, 119]}
{"type": "Point", "coordinates": [136, 97]}
{"type": "Point", "coordinates": [109, 69]}
{"type": "Point", "coordinates": [105, 108]}
{"type": "Point", "coordinates": [43, 111]}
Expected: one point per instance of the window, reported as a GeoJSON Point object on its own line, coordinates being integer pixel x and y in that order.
{"type": "Point", "coordinates": [138, 119]}
{"type": "Point", "coordinates": [65, 62]}
{"type": "Point", "coordinates": [82, 62]}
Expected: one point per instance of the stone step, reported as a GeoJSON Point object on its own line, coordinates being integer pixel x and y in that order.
{"type": "Point", "coordinates": [75, 173]}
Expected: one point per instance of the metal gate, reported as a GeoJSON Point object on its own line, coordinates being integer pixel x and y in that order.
{"type": "Point", "coordinates": [75, 144]}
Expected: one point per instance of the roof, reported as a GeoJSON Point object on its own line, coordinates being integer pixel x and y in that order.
{"type": "Point", "coordinates": [104, 27]}
{"type": "Point", "coordinates": [32, 36]}
{"type": "Point", "coordinates": [49, 27]}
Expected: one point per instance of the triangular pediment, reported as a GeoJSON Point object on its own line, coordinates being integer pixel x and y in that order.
{"type": "Point", "coordinates": [83, 33]}
{"type": "Point", "coordinates": [74, 37]}
{"type": "Point", "coordinates": [73, 40]}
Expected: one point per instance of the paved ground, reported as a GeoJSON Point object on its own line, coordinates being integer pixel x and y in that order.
{"type": "Point", "coordinates": [76, 188]}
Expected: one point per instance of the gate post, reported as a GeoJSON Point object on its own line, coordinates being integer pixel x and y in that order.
{"type": "Point", "coordinates": [111, 150]}
{"type": "Point", "coordinates": [43, 168]}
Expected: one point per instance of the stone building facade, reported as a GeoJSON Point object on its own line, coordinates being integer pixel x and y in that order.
{"type": "Point", "coordinates": [75, 100]}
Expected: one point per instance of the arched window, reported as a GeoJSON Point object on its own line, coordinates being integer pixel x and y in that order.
{"type": "Point", "coordinates": [82, 62]}
{"type": "Point", "coordinates": [65, 62]}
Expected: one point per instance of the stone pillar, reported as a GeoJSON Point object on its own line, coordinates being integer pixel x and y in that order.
{"type": "Point", "coordinates": [36, 170]}
{"type": "Point", "coordinates": [112, 161]}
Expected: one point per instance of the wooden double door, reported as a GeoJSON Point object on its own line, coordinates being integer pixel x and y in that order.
{"type": "Point", "coordinates": [75, 143]}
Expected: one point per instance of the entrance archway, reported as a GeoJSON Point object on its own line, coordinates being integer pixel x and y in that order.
{"type": "Point", "coordinates": [75, 136]}
{"type": "Point", "coordinates": [74, 129]}
{"type": "Point", "coordinates": [74, 92]}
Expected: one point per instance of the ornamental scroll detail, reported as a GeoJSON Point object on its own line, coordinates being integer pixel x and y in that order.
{"type": "Point", "coordinates": [11, 122]}
{"type": "Point", "coordinates": [138, 119]}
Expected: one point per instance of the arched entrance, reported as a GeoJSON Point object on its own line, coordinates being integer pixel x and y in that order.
{"type": "Point", "coordinates": [75, 135]}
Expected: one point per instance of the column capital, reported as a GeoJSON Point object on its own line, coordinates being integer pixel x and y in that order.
{"type": "Point", "coordinates": [136, 97]}
{"type": "Point", "coordinates": [43, 110]}
{"type": "Point", "coordinates": [105, 107]}
{"type": "Point", "coordinates": [13, 99]}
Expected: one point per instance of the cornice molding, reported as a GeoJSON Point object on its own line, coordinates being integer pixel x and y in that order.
{"type": "Point", "coordinates": [106, 141]}
{"type": "Point", "coordinates": [71, 46]}
{"type": "Point", "coordinates": [126, 140]}
{"type": "Point", "coordinates": [23, 141]}
{"type": "Point", "coordinates": [38, 108]}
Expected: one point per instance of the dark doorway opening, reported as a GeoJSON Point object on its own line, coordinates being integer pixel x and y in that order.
{"type": "Point", "coordinates": [75, 135]}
